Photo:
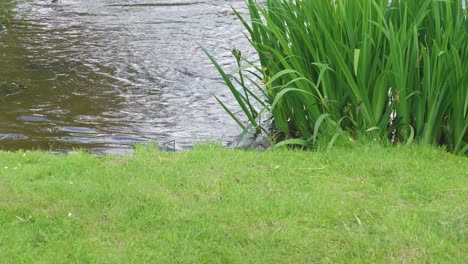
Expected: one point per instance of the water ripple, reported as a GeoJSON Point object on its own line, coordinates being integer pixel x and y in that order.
{"type": "Point", "coordinates": [113, 72]}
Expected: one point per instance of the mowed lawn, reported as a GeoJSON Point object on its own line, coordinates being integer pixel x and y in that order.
{"type": "Point", "coordinates": [365, 204]}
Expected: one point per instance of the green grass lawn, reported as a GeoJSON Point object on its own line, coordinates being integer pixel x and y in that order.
{"type": "Point", "coordinates": [366, 204]}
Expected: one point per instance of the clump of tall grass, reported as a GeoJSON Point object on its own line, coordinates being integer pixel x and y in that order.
{"type": "Point", "coordinates": [398, 70]}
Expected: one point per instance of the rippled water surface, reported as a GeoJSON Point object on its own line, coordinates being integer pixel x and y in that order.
{"type": "Point", "coordinates": [105, 74]}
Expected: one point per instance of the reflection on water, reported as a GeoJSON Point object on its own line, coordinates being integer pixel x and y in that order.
{"type": "Point", "coordinates": [105, 74]}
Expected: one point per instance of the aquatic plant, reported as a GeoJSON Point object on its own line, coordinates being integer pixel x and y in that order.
{"type": "Point", "coordinates": [6, 10]}
{"type": "Point", "coordinates": [398, 70]}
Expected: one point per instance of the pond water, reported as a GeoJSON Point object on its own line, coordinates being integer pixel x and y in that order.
{"type": "Point", "coordinates": [102, 75]}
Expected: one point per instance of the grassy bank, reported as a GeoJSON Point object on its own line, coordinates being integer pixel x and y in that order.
{"type": "Point", "coordinates": [212, 205]}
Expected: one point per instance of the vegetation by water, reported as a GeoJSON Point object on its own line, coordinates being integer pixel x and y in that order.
{"type": "Point", "coordinates": [398, 71]}
{"type": "Point", "coordinates": [366, 204]}
{"type": "Point", "coordinates": [6, 13]}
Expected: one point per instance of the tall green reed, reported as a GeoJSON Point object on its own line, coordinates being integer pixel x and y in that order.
{"type": "Point", "coordinates": [397, 70]}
